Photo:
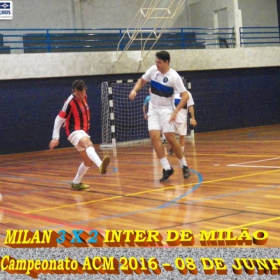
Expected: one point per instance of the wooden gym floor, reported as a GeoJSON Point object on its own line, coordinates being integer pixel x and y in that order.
{"type": "Point", "coordinates": [234, 184]}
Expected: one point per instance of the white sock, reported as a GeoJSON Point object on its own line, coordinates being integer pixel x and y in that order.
{"type": "Point", "coordinates": [164, 163]}
{"type": "Point", "coordinates": [82, 170]}
{"type": "Point", "coordinates": [93, 156]}
{"type": "Point", "coordinates": [183, 162]}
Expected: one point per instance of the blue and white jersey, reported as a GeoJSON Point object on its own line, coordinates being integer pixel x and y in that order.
{"type": "Point", "coordinates": [182, 114]}
{"type": "Point", "coordinates": [163, 87]}
{"type": "Point", "coordinates": [177, 99]}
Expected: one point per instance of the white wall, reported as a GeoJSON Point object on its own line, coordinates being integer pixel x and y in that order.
{"type": "Point", "coordinates": [79, 14]}
{"type": "Point", "coordinates": [40, 14]}
{"type": "Point", "coordinates": [254, 12]}
{"type": "Point", "coordinates": [24, 66]}
{"type": "Point", "coordinates": [120, 13]}
{"type": "Point", "coordinates": [202, 12]}
{"type": "Point", "coordinates": [259, 12]}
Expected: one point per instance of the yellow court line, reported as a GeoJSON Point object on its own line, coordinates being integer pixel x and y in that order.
{"type": "Point", "coordinates": [70, 205]}
{"type": "Point", "coordinates": [250, 224]}
{"type": "Point", "coordinates": [238, 155]}
{"type": "Point", "coordinates": [205, 182]}
{"type": "Point", "coordinates": [149, 191]}
{"type": "Point", "coordinates": [272, 196]}
{"type": "Point", "coordinates": [241, 141]}
{"type": "Point", "coordinates": [233, 154]}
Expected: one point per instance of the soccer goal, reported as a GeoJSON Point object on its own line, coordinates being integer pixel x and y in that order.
{"type": "Point", "coordinates": [122, 119]}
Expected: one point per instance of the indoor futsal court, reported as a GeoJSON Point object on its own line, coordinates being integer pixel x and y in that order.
{"type": "Point", "coordinates": [234, 184]}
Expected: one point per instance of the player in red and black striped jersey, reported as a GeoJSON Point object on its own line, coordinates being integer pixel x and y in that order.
{"type": "Point", "coordinates": [75, 116]}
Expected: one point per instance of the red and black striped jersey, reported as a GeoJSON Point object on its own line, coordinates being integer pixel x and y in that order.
{"type": "Point", "coordinates": [76, 113]}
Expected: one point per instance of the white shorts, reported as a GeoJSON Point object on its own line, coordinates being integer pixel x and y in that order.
{"type": "Point", "coordinates": [181, 128]}
{"type": "Point", "coordinates": [159, 119]}
{"type": "Point", "coordinates": [75, 138]}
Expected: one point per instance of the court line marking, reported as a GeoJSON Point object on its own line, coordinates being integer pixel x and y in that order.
{"type": "Point", "coordinates": [117, 196]}
{"type": "Point", "coordinates": [156, 208]}
{"type": "Point", "coordinates": [149, 191]}
{"type": "Point", "coordinates": [230, 194]}
{"type": "Point", "coordinates": [58, 223]}
{"type": "Point", "coordinates": [159, 207]}
{"type": "Point", "coordinates": [249, 224]}
{"type": "Point", "coordinates": [260, 160]}
{"type": "Point", "coordinates": [245, 164]}
{"type": "Point", "coordinates": [141, 211]}
{"type": "Point", "coordinates": [272, 196]}
{"type": "Point", "coordinates": [254, 166]}
{"type": "Point", "coordinates": [187, 203]}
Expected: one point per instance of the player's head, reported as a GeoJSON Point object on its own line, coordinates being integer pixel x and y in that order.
{"type": "Point", "coordinates": [163, 55]}
{"type": "Point", "coordinates": [79, 89]}
{"type": "Point", "coordinates": [162, 61]}
{"type": "Point", "coordinates": [79, 85]}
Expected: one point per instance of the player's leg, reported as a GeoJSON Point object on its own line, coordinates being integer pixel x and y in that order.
{"type": "Point", "coordinates": [176, 147]}
{"type": "Point", "coordinates": [159, 149]}
{"type": "Point", "coordinates": [154, 125]}
{"type": "Point", "coordinates": [82, 170]}
{"type": "Point", "coordinates": [156, 141]}
{"type": "Point", "coordinates": [182, 131]}
{"type": "Point", "coordinates": [176, 131]}
{"type": "Point", "coordinates": [81, 140]}
{"type": "Point", "coordinates": [93, 156]}
{"type": "Point", "coordinates": [182, 142]}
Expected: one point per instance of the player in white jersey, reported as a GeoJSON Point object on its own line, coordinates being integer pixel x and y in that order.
{"type": "Point", "coordinates": [181, 119]}
{"type": "Point", "coordinates": [164, 81]}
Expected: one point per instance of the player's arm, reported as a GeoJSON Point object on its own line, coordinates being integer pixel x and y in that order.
{"type": "Point", "coordinates": [191, 111]}
{"type": "Point", "coordinates": [139, 84]}
{"type": "Point", "coordinates": [59, 121]}
{"type": "Point", "coordinates": [145, 112]}
{"type": "Point", "coordinates": [184, 100]}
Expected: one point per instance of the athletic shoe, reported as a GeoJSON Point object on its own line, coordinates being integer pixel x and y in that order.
{"type": "Point", "coordinates": [80, 186]}
{"type": "Point", "coordinates": [170, 152]}
{"type": "Point", "coordinates": [104, 164]}
{"type": "Point", "coordinates": [186, 172]}
{"type": "Point", "coordinates": [166, 174]}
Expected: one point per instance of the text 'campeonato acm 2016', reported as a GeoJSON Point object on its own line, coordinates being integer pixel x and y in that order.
{"type": "Point", "coordinates": [129, 265]}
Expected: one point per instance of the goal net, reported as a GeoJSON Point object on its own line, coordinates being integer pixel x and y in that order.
{"type": "Point", "coordinates": [122, 119]}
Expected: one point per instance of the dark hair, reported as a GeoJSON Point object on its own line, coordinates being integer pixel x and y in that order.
{"type": "Point", "coordinates": [163, 55]}
{"type": "Point", "coordinates": [79, 85]}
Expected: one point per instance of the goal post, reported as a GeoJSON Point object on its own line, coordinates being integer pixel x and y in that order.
{"type": "Point", "coordinates": [122, 120]}
{"type": "Point", "coordinates": [190, 128]}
